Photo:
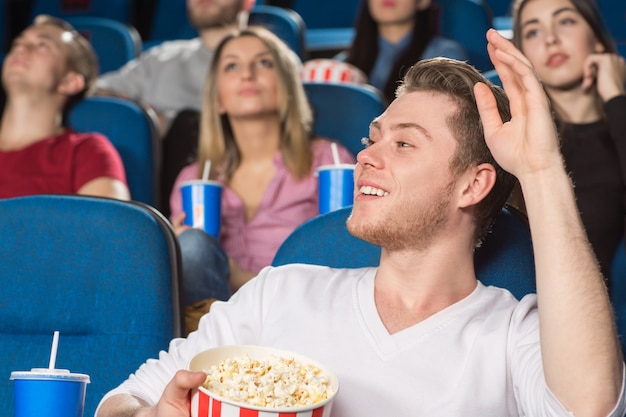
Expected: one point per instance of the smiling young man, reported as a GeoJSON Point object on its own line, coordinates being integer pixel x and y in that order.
{"type": "Point", "coordinates": [49, 68]}
{"type": "Point", "coordinates": [419, 335]}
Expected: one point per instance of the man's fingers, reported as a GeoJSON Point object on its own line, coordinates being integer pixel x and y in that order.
{"type": "Point", "coordinates": [501, 43]}
{"type": "Point", "coordinates": [184, 381]}
{"type": "Point", "coordinates": [487, 108]}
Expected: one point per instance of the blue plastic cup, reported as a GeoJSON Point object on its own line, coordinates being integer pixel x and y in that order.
{"type": "Point", "coordinates": [202, 203]}
{"type": "Point", "coordinates": [46, 392]}
{"type": "Point", "coordinates": [336, 187]}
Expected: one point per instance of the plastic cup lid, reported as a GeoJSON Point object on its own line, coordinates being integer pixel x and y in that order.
{"type": "Point", "coordinates": [201, 181]}
{"type": "Point", "coordinates": [50, 374]}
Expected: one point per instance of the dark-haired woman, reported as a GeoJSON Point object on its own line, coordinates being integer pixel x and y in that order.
{"type": "Point", "coordinates": [391, 35]}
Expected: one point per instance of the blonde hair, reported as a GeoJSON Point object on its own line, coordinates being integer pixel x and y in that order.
{"type": "Point", "coordinates": [217, 143]}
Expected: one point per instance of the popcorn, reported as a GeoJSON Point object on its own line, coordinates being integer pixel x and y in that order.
{"type": "Point", "coordinates": [273, 383]}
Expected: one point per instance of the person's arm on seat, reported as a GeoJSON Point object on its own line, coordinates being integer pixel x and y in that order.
{"type": "Point", "coordinates": [105, 187]}
{"type": "Point", "coordinates": [582, 362]}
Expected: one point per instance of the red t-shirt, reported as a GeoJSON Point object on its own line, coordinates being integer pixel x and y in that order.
{"type": "Point", "coordinates": [59, 165]}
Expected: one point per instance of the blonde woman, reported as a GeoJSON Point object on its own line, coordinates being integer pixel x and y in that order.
{"type": "Point", "coordinates": [256, 130]}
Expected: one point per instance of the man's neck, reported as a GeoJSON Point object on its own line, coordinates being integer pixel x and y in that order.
{"type": "Point", "coordinates": [411, 287]}
{"type": "Point", "coordinates": [257, 138]}
{"type": "Point", "coordinates": [394, 33]}
{"type": "Point", "coordinates": [26, 121]}
{"type": "Point", "coordinates": [211, 37]}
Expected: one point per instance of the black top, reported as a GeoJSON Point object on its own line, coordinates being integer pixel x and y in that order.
{"type": "Point", "coordinates": [595, 156]}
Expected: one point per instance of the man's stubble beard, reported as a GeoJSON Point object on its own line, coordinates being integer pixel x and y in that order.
{"type": "Point", "coordinates": [399, 231]}
{"type": "Point", "coordinates": [226, 16]}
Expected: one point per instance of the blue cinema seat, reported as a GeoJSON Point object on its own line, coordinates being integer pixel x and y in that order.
{"type": "Point", "coordinates": [103, 272]}
{"type": "Point", "coordinates": [119, 10]}
{"type": "Point", "coordinates": [505, 259]}
{"type": "Point", "coordinates": [492, 75]}
{"type": "Point", "coordinates": [133, 133]}
{"type": "Point", "coordinates": [618, 291]}
{"type": "Point", "coordinates": [467, 22]}
{"type": "Point", "coordinates": [614, 14]}
{"type": "Point", "coordinates": [343, 111]}
{"type": "Point", "coordinates": [115, 43]}
{"type": "Point", "coordinates": [284, 23]}
{"type": "Point", "coordinates": [170, 22]}
{"type": "Point", "coordinates": [329, 23]}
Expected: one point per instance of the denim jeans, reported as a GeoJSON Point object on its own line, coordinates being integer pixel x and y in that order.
{"type": "Point", "coordinates": [205, 267]}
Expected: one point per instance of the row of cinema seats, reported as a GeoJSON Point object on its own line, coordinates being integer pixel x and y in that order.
{"type": "Point", "coordinates": [113, 26]}
{"type": "Point", "coordinates": [308, 26]}
{"type": "Point", "coordinates": [131, 129]}
{"type": "Point", "coordinates": [106, 274]}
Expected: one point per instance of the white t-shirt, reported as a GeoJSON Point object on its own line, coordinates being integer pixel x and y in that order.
{"type": "Point", "coordinates": [477, 358]}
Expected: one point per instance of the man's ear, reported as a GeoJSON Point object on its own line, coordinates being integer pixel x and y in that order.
{"type": "Point", "coordinates": [72, 83]}
{"type": "Point", "coordinates": [478, 182]}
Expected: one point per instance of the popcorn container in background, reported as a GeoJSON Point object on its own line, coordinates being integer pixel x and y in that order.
{"type": "Point", "coordinates": [202, 204]}
{"type": "Point", "coordinates": [331, 71]}
{"type": "Point", "coordinates": [44, 392]}
{"type": "Point", "coordinates": [207, 403]}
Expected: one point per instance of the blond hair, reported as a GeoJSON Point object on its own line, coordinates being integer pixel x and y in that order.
{"type": "Point", "coordinates": [217, 143]}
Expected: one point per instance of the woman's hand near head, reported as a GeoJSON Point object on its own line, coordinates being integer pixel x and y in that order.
{"type": "Point", "coordinates": [607, 72]}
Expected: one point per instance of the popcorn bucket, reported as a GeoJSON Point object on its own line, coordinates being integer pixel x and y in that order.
{"type": "Point", "coordinates": [205, 403]}
{"type": "Point", "coordinates": [331, 71]}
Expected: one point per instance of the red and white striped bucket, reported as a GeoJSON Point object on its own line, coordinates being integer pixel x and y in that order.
{"type": "Point", "coordinates": [332, 71]}
{"type": "Point", "coordinates": [205, 403]}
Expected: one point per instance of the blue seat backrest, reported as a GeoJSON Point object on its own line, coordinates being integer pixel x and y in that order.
{"type": "Point", "coordinates": [621, 49]}
{"type": "Point", "coordinates": [467, 22]}
{"type": "Point", "coordinates": [614, 14]}
{"type": "Point", "coordinates": [115, 43]}
{"type": "Point", "coordinates": [4, 26]}
{"type": "Point", "coordinates": [131, 130]}
{"type": "Point", "coordinates": [284, 23]}
{"type": "Point", "coordinates": [499, 7]}
{"type": "Point", "coordinates": [119, 10]}
{"type": "Point", "coordinates": [320, 14]}
{"type": "Point", "coordinates": [103, 272]}
{"type": "Point", "coordinates": [492, 75]}
{"type": "Point", "coordinates": [618, 291]}
{"type": "Point", "coordinates": [505, 259]}
{"type": "Point", "coordinates": [356, 105]}
{"type": "Point", "coordinates": [170, 22]}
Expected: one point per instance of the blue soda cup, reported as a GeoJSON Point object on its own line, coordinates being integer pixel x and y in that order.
{"type": "Point", "coordinates": [336, 187]}
{"type": "Point", "coordinates": [44, 392]}
{"type": "Point", "coordinates": [202, 204]}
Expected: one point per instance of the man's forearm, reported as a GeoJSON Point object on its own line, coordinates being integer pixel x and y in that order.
{"type": "Point", "coordinates": [581, 354]}
{"type": "Point", "coordinates": [124, 405]}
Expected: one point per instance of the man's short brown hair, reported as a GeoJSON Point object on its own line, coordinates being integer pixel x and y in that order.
{"type": "Point", "coordinates": [456, 79]}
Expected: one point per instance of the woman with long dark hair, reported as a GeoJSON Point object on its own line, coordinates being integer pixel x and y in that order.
{"type": "Point", "coordinates": [575, 58]}
{"type": "Point", "coordinates": [391, 35]}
